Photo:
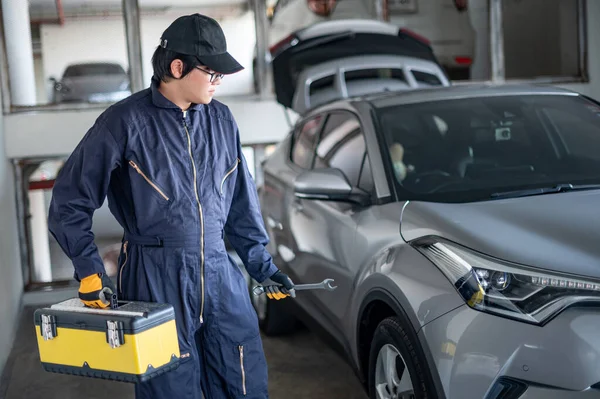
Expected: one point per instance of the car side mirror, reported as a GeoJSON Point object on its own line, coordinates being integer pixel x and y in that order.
{"type": "Point", "coordinates": [329, 184]}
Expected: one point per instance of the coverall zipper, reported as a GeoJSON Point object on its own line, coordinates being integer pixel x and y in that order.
{"type": "Point", "coordinates": [122, 267]}
{"type": "Point", "coordinates": [237, 161]}
{"type": "Point", "coordinates": [158, 190]}
{"type": "Point", "coordinates": [201, 216]}
{"type": "Point", "coordinates": [241, 348]}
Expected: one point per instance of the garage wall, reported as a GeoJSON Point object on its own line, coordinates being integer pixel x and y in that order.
{"type": "Point", "coordinates": [592, 88]}
{"type": "Point", "coordinates": [526, 27]}
{"type": "Point", "coordinates": [11, 280]}
{"type": "Point", "coordinates": [103, 39]}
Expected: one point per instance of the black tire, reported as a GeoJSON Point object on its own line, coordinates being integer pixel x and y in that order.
{"type": "Point", "coordinates": [393, 331]}
{"type": "Point", "coordinates": [277, 320]}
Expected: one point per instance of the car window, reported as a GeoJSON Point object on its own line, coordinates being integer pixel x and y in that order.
{"type": "Point", "coordinates": [375, 73]}
{"type": "Point", "coordinates": [583, 144]}
{"type": "Point", "coordinates": [341, 146]}
{"type": "Point", "coordinates": [303, 145]}
{"type": "Point", "coordinates": [466, 149]}
{"type": "Point", "coordinates": [93, 69]}
{"type": "Point", "coordinates": [358, 82]}
{"type": "Point", "coordinates": [426, 78]}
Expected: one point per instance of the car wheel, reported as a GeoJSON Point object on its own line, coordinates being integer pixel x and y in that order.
{"type": "Point", "coordinates": [274, 317]}
{"type": "Point", "coordinates": [397, 368]}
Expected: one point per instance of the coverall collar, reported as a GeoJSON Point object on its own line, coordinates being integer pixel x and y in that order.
{"type": "Point", "coordinates": [162, 102]}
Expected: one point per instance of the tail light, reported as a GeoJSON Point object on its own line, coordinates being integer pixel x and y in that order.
{"type": "Point", "coordinates": [283, 45]}
{"type": "Point", "coordinates": [415, 36]}
{"type": "Point", "coordinates": [463, 60]}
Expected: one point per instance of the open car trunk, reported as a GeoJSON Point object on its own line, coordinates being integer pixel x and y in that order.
{"type": "Point", "coordinates": [294, 55]}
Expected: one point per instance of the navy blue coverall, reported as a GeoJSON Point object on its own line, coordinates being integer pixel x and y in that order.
{"type": "Point", "coordinates": [176, 181]}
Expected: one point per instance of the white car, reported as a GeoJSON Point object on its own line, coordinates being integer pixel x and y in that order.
{"type": "Point", "coordinates": [337, 59]}
{"type": "Point", "coordinates": [444, 24]}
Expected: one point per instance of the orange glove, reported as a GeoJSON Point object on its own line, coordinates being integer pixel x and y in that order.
{"type": "Point", "coordinates": [95, 291]}
{"type": "Point", "coordinates": [279, 292]}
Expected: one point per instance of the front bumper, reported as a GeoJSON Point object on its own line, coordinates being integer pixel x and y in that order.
{"type": "Point", "coordinates": [472, 350]}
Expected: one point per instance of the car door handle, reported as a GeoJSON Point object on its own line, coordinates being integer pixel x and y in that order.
{"type": "Point", "coordinates": [274, 224]}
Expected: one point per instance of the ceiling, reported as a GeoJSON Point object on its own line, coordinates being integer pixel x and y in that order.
{"type": "Point", "coordinates": [47, 9]}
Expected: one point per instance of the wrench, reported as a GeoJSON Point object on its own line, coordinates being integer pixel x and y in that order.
{"type": "Point", "coordinates": [324, 285]}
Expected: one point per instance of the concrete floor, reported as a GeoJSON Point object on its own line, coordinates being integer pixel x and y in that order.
{"type": "Point", "coordinates": [300, 366]}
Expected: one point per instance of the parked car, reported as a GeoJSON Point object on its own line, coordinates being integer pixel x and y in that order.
{"type": "Point", "coordinates": [460, 225]}
{"type": "Point", "coordinates": [332, 40]}
{"type": "Point", "coordinates": [338, 59]}
{"type": "Point", "coordinates": [443, 24]}
{"type": "Point", "coordinates": [95, 82]}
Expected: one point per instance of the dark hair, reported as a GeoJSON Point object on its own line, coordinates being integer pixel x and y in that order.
{"type": "Point", "coordinates": [162, 59]}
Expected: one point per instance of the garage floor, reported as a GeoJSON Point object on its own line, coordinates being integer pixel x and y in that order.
{"type": "Point", "coordinates": [300, 366]}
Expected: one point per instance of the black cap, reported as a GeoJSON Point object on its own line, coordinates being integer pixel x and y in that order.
{"type": "Point", "coordinates": [203, 37]}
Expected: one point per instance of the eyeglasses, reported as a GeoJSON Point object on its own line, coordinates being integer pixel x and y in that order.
{"type": "Point", "coordinates": [213, 75]}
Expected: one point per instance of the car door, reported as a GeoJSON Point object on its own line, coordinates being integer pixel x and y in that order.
{"type": "Point", "coordinates": [279, 186]}
{"type": "Point", "coordinates": [323, 232]}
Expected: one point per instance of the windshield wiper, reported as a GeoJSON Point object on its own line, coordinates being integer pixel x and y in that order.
{"type": "Point", "coordinates": [559, 188]}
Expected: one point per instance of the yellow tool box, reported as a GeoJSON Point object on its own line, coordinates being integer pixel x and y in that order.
{"type": "Point", "coordinates": [133, 342]}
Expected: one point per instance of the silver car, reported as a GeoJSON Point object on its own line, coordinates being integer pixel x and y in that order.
{"type": "Point", "coordinates": [461, 226]}
{"type": "Point", "coordinates": [94, 82]}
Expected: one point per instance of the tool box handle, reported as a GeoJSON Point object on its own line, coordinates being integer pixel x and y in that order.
{"type": "Point", "coordinates": [114, 303]}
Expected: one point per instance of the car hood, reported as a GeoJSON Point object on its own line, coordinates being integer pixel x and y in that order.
{"type": "Point", "coordinates": [96, 84]}
{"type": "Point", "coordinates": [559, 232]}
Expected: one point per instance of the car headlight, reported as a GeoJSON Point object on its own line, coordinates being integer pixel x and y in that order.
{"type": "Point", "coordinates": [498, 287]}
{"type": "Point", "coordinates": [61, 87]}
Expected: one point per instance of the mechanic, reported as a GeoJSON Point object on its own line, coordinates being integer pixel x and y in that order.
{"type": "Point", "coordinates": [170, 162]}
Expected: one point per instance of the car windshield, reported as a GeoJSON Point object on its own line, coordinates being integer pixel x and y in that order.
{"type": "Point", "coordinates": [93, 69]}
{"type": "Point", "coordinates": [471, 149]}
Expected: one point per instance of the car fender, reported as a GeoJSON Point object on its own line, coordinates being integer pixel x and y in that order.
{"type": "Point", "coordinates": [408, 283]}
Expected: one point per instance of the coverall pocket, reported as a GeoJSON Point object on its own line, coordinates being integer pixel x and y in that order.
{"type": "Point", "coordinates": [228, 174]}
{"type": "Point", "coordinates": [248, 368]}
{"type": "Point", "coordinates": [153, 187]}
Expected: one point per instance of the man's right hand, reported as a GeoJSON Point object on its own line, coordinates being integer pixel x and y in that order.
{"type": "Point", "coordinates": [96, 290]}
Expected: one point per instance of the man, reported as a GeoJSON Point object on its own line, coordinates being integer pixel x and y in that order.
{"type": "Point", "coordinates": [170, 161]}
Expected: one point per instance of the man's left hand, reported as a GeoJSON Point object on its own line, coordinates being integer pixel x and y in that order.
{"type": "Point", "coordinates": [286, 289]}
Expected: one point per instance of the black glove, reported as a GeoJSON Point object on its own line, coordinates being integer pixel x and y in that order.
{"type": "Point", "coordinates": [279, 292]}
{"type": "Point", "coordinates": [95, 291]}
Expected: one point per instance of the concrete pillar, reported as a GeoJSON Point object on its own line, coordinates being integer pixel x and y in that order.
{"type": "Point", "coordinates": [42, 268]}
{"type": "Point", "coordinates": [497, 41]}
{"type": "Point", "coordinates": [19, 53]}
{"type": "Point", "coordinates": [479, 14]}
{"type": "Point", "coordinates": [260, 22]}
{"type": "Point", "coordinates": [131, 15]}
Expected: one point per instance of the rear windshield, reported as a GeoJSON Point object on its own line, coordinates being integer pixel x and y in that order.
{"type": "Point", "coordinates": [93, 69]}
{"type": "Point", "coordinates": [466, 149]}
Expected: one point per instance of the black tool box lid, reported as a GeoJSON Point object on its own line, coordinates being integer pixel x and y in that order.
{"type": "Point", "coordinates": [134, 317]}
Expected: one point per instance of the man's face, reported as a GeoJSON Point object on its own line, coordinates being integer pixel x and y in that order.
{"type": "Point", "coordinates": [198, 87]}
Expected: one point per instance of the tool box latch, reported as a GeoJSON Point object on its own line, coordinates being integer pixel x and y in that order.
{"type": "Point", "coordinates": [48, 327]}
{"type": "Point", "coordinates": [114, 334]}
